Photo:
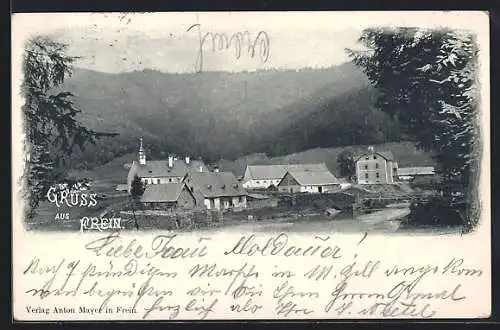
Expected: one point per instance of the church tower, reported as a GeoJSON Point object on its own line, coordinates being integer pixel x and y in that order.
{"type": "Point", "coordinates": [142, 154]}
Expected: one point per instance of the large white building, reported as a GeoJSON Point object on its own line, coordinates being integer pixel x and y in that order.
{"type": "Point", "coordinates": [376, 167]}
{"type": "Point", "coordinates": [264, 176]}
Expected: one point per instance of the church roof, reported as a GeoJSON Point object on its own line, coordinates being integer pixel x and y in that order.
{"type": "Point", "coordinates": [159, 168]}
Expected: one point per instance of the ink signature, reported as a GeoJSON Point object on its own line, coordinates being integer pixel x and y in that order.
{"type": "Point", "coordinates": [223, 42]}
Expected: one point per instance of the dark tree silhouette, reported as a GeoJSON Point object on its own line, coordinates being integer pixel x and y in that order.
{"type": "Point", "coordinates": [346, 163]}
{"type": "Point", "coordinates": [49, 118]}
{"type": "Point", "coordinates": [136, 191]}
{"type": "Point", "coordinates": [428, 80]}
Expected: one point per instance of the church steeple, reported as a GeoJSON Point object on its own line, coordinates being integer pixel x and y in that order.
{"type": "Point", "coordinates": [142, 154]}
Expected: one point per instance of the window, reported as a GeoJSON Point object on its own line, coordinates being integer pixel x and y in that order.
{"type": "Point", "coordinates": [378, 175]}
{"type": "Point", "coordinates": [366, 167]}
{"type": "Point", "coordinates": [374, 157]}
{"type": "Point", "coordinates": [257, 182]}
{"type": "Point", "coordinates": [169, 179]}
{"type": "Point", "coordinates": [366, 175]}
{"type": "Point", "coordinates": [376, 165]}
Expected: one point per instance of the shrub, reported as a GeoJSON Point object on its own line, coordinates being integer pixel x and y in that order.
{"type": "Point", "coordinates": [437, 211]}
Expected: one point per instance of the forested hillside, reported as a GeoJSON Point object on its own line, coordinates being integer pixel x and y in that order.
{"type": "Point", "coordinates": [226, 115]}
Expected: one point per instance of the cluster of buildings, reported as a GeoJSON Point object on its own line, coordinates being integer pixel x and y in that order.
{"type": "Point", "coordinates": [294, 178]}
{"type": "Point", "coordinates": [186, 183]}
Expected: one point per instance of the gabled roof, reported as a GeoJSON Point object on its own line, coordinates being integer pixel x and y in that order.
{"type": "Point", "coordinates": [159, 168]}
{"type": "Point", "coordinates": [158, 193]}
{"type": "Point", "coordinates": [415, 170]}
{"type": "Point", "coordinates": [388, 155]}
{"type": "Point", "coordinates": [314, 178]}
{"type": "Point", "coordinates": [211, 184]}
{"type": "Point", "coordinates": [266, 172]}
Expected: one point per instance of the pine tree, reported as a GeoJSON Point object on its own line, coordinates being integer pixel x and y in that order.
{"type": "Point", "coordinates": [427, 80]}
{"type": "Point", "coordinates": [49, 118]}
{"type": "Point", "coordinates": [346, 163]}
{"type": "Point", "coordinates": [136, 191]}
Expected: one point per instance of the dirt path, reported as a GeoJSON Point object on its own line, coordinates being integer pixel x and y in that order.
{"type": "Point", "coordinates": [381, 216]}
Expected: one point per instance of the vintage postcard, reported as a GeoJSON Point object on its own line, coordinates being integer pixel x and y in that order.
{"type": "Point", "coordinates": [251, 165]}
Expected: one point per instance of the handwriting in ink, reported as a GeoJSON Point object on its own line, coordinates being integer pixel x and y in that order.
{"type": "Point", "coordinates": [162, 246]}
{"type": "Point", "coordinates": [280, 245]}
{"type": "Point", "coordinates": [222, 42]}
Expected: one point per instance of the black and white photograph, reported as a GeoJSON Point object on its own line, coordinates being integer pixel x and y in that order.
{"type": "Point", "coordinates": [249, 165]}
{"type": "Point", "coordinates": [199, 128]}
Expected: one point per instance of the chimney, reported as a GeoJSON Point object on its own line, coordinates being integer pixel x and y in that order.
{"type": "Point", "coordinates": [170, 161]}
{"type": "Point", "coordinates": [370, 148]}
{"type": "Point", "coordinates": [187, 160]}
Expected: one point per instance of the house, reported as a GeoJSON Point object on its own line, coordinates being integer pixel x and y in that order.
{"type": "Point", "coordinates": [375, 167]}
{"type": "Point", "coordinates": [408, 173]}
{"type": "Point", "coordinates": [264, 176]}
{"type": "Point", "coordinates": [309, 182]}
{"type": "Point", "coordinates": [166, 196]}
{"type": "Point", "coordinates": [172, 170]}
{"type": "Point", "coordinates": [217, 190]}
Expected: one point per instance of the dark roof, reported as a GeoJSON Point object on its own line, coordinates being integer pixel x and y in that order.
{"type": "Point", "coordinates": [388, 155]}
{"type": "Point", "coordinates": [278, 171]}
{"type": "Point", "coordinates": [168, 192]}
{"type": "Point", "coordinates": [159, 168]}
{"type": "Point", "coordinates": [212, 184]}
{"type": "Point", "coordinates": [314, 178]}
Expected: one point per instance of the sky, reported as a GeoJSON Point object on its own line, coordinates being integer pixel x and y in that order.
{"type": "Point", "coordinates": [117, 42]}
{"type": "Point", "coordinates": [124, 46]}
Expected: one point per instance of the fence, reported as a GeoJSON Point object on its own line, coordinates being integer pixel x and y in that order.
{"type": "Point", "coordinates": [182, 220]}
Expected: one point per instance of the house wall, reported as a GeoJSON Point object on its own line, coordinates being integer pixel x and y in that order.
{"type": "Point", "coordinates": [174, 179]}
{"type": "Point", "coordinates": [374, 169]}
{"type": "Point", "coordinates": [324, 188]}
{"type": "Point", "coordinates": [220, 203]}
{"type": "Point", "coordinates": [260, 184]}
{"type": "Point", "coordinates": [309, 189]}
{"type": "Point", "coordinates": [160, 205]}
{"type": "Point", "coordinates": [161, 180]}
